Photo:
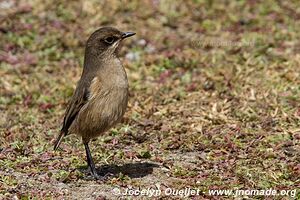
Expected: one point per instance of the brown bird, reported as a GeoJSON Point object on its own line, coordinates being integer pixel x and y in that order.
{"type": "Point", "coordinates": [101, 95]}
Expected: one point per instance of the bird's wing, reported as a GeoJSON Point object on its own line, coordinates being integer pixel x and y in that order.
{"type": "Point", "coordinates": [79, 99]}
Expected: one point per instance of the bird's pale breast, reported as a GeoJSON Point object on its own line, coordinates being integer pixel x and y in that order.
{"type": "Point", "coordinates": [105, 108]}
{"type": "Point", "coordinates": [107, 101]}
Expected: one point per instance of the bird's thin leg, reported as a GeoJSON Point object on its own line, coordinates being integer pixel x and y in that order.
{"type": "Point", "coordinates": [90, 161]}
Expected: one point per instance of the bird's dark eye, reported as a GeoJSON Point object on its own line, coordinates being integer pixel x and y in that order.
{"type": "Point", "coordinates": [109, 40]}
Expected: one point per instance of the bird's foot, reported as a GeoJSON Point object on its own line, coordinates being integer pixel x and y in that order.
{"type": "Point", "coordinates": [98, 177]}
{"type": "Point", "coordinates": [94, 174]}
{"type": "Point", "coordinates": [101, 178]}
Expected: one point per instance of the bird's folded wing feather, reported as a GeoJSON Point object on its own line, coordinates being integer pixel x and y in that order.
{"type": "Point", "coordinates": [79, 99]}
{"type": "Point", "coordinates": [83, 93]}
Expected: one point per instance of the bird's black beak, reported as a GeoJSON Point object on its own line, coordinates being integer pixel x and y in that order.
{"type": "Point", "coordinates": [127, 34]}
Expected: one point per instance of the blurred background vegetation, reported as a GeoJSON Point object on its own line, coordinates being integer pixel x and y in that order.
{"type": "Point", "coordinates": [214, 95]}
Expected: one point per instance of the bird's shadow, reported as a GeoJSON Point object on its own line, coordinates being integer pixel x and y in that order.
{"type": "Point", "coordinates": [133, 170]}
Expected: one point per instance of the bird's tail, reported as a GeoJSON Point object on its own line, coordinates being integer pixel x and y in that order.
{"type": "Point", "coordinates": [59, 139]}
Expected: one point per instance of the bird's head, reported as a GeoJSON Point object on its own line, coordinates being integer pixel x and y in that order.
{"type": "Point", "coordinates": [105, 41]}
